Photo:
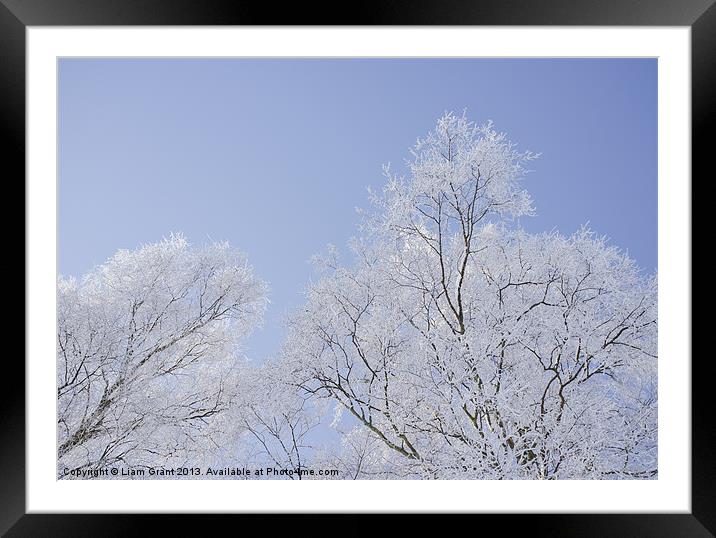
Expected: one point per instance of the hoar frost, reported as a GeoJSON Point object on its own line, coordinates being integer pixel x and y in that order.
{"type": "Point", "coordinates": [455, 345]}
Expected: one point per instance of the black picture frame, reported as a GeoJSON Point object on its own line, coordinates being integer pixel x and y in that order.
{"type": "Point", "coordinates": [16, 15]}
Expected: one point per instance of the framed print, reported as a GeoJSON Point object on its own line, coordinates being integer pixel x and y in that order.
{"type": "Point", "coordinates": [426, 260]}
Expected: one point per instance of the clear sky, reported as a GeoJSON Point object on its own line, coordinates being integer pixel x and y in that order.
{"type": "Point", "coordinates": [275, 155]}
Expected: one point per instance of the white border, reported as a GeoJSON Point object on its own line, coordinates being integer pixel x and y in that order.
{"type": "Point", "coordinates": [671, 492]}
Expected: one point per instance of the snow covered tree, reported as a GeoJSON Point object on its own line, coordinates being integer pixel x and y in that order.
{"type": "Point", "coordinates": [148, 372]}
{"type": "Point", "coordinates": [454, 345]}
{"type": "Point", "coordinates": [463, 347]}
{"type": "Point", "coordinates": [278, 421]}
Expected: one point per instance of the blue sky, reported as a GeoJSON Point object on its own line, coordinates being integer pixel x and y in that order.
{"type": "Point", "coordinates": [275, 155]}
